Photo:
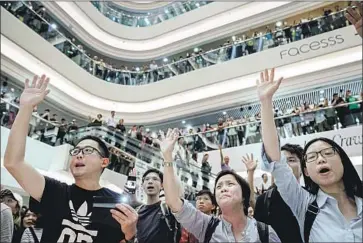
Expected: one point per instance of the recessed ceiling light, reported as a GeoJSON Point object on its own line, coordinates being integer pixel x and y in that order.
{"type": "Point", "coordinates": [183, 122]}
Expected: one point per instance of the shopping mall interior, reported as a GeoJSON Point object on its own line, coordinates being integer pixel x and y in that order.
{"type": "Point", "coordinates": [139, 76]}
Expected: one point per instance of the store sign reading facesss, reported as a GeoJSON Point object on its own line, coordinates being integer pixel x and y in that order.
{"type": "Point", "coordinates": [312, 46]}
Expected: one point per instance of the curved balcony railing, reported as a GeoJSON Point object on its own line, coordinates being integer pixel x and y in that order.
{"type": "Point", "coordinates": [128, 152]}
{"type": "Point", "coordinates": [243, 132]}
{"type": "Point", "coordinates": [154, 73]}
{"type": "Point", "coordinates": [144, 19]}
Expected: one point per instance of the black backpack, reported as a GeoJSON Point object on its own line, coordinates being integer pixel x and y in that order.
{"type": "Point", "coordinates": [262, 229]}
{"type": "Point", "coordinates": [171, 222]}
{"type": "Point", "coordinates": [310, 215]}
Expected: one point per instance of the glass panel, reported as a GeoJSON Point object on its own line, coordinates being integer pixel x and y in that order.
{"type": "Point", "coordinates": [148, 156]}
{"type": "Point", "coordinates": [143, 19]}
{"type": "Point", "coordinates": [41, 128]}
{"type": "Point", "coordinates": [297, 123]}
{"type": "Point", "coordinates": [33, 15]}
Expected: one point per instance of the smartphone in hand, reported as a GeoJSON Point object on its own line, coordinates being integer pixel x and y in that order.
{"type": "Point", "coordinates": [101, 209]}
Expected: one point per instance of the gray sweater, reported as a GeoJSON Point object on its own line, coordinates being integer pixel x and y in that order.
{"type": "Point", "coordinates": [7, 224]}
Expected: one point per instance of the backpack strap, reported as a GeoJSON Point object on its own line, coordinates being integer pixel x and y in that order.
{"type": "Point", "coordinates": [310, 215]}
{"type": "Point", "coordinates": [212, 225]}
{"type": "Point", "coordinates": [263, 232]}
{"type": "Point", "coordinates": [170, 221]}
{"type": "Point", "coordinates": [267, 201]}
{"type": "Point", "coordinates": [36, 240]}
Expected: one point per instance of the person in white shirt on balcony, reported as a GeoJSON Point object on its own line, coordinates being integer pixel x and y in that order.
{"type": "Point", "coordinates": [331, 204]}
{"type": "Point", "coordinates": [111, 121]}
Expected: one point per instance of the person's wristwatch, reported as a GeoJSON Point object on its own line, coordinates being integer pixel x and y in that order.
{"type": "Point", "coordinates": [132, 240]}
{"type": "Point", "coordinates": [168, 164]}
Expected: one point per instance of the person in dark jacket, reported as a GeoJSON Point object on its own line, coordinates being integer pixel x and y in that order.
{"type": "Point", "coordinates": [270, 207]}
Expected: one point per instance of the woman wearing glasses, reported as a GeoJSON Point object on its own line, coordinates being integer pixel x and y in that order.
{"type": "Point", "coordinates": [330, 209]}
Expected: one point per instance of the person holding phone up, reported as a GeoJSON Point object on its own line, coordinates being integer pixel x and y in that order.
{"type": "Point", "coordinates": [67, 209]}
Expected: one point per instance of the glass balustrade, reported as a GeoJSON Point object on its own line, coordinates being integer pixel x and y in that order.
{"type": "Point", "coordinates": [143, 19]}
{"type": "Point", "coordinates": [128, 152]}
{"type": "Point", "coordinates": [243, 132]}
{"type": "Point", "coordinates": [41, 128]}
{"type": "Point", "coordinates": [146, 75]}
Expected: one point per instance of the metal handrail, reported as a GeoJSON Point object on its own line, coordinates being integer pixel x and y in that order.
{"type": "Point", "coordinates": [172, 63]}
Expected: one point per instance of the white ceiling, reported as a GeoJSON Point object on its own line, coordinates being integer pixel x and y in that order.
{"type": "Point", "coordinates": [141, 5]}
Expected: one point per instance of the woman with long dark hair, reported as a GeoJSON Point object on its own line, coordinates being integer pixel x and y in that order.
{"type": "Point", "coordinates": [330, 208]}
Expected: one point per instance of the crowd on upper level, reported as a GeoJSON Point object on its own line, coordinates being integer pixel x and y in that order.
{"type": "Point", "coordinates": [37, 18]}
{"type": "Point", "coordinates": [327, 209]}
{"type": "Point", "coordinates": [131, 143]}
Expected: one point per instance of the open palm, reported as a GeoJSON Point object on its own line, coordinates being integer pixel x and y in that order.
{"type": "Point", "coordinates": [168, 144]}
{"type": "Point", "coordinates": [36, 92]}
{"type": "Point", "coordinates": [266, 86]}
{"type": "Point", "coordinates": [356, 18]}
{"type": "Point", "coordinates": [249, 162]}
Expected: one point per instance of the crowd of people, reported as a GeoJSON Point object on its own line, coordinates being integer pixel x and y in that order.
{"type": "Point", "coordinates": [137, 19]}
{"type": "Point", "coordinates": [135, 144]}
{"type": "Point", "coordinates": [35, 16]}
{"type": "Point", "coordinates": [327, 209]}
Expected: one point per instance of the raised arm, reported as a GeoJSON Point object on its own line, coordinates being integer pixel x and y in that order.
{"type": "Point", "coordinates": [266, 88]}
{"type": "Point", "coordinates": [289, 188]}
{"type": "Point", "coordinates": [251, 166]}
{"type": "Point", "coordinates": [28, 177]}
{"type": "Point", "coordinates": [221, 154]}
{"type": "Point", "coordinates": [170, 184]}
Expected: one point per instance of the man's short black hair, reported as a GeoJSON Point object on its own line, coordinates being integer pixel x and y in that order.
{"type": "Point", "coordinates": [101, 144]}
{"type": "Point", "coordinates": [159, 173]}
{"type": "Point", "coordinates": [294, 149]}
{"type": "Point", "coordinates": [264, 174]}
{"type": "Point", "coordinates": [209, 193]}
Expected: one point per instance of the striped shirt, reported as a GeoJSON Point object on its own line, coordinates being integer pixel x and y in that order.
{"type": "Point", "coordinates": [28, 237]}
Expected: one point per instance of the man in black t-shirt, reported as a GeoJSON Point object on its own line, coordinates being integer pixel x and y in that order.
{"type": "Point", "coordinates": [152, 226]}
{"type": "Point", "coordinates": [271, 208]}
{"type": "Point", "coordinates": [66, 209]}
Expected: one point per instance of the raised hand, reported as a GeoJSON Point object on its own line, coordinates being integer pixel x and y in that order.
{"type": "Point", "coordinates": [168, 144]}
{"type": "Point", "coordinates": [35, 93]}
{"type": "Point", "coordinates": [355, 18]}
{"type": "Point", "coordinates": [266, 86]}
{"type": "Point", "coordinates": [249, 162]}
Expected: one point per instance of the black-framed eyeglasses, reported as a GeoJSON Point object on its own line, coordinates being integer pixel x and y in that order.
{"type": "Point", "coordinates": [326, 153]}
{"type": "Point", "coordinates": [85, 151]}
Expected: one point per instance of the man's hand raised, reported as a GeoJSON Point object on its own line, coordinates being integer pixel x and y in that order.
{"type": "Point", "coordinates": [35, 93]}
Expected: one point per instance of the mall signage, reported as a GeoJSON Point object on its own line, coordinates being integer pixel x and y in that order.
{"type": "Point", "coordinates": [320, 44]}
{"type": "Point", "coordinates": [350, 139]}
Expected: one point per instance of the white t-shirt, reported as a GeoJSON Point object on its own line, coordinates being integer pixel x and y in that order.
{"type": "Point", "coordinates": [111, 122]}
